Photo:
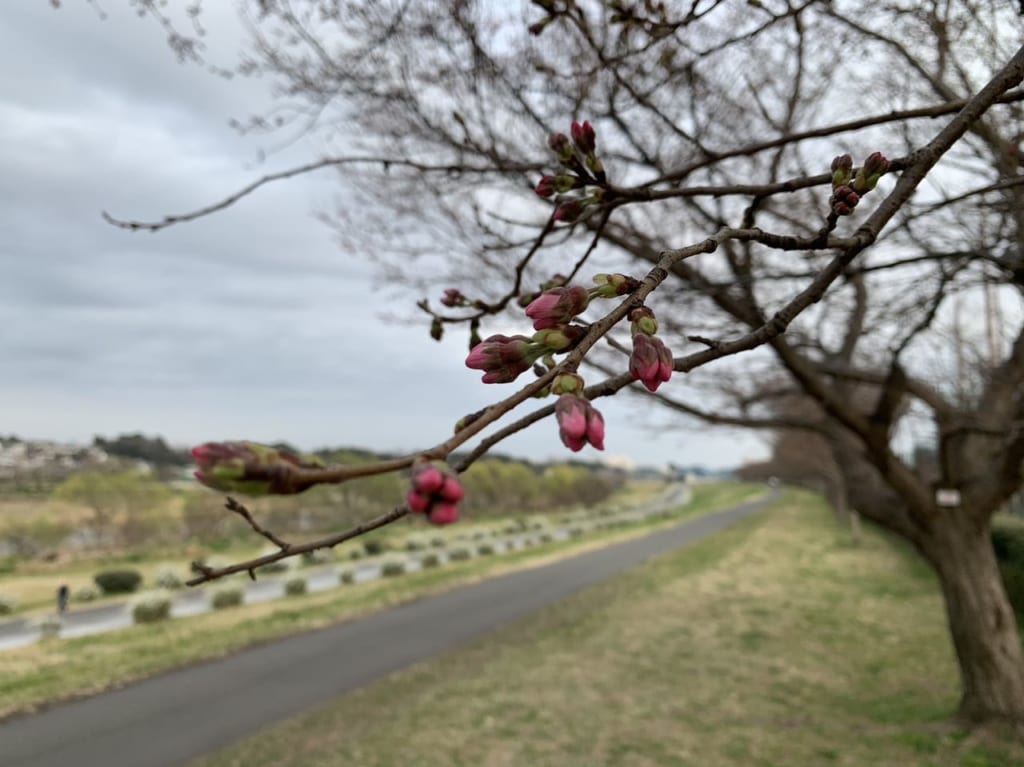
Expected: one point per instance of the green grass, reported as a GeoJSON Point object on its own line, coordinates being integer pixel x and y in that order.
{"type": "Point", "coordinates": [33, 676]}
{"type": "Point", "coordinates": [772, 644]}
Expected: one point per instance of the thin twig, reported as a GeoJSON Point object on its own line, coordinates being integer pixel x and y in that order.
{"type": "Point", "coordinates": [232, 505]}
{"type": "Point", "coordinates": [207, 573]}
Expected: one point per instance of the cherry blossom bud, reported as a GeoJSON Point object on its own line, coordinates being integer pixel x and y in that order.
{"type": "Point", "coordinates": [612, 285]}
{"type": "Point", "coordinates": [567, 383]}
{"type": "Point", "coordinates": [444, 514]}
{"type": "Point", "coordinates": [642, 320]}
{"type": "Point", "coordinates": [250, 468]}
{"type": "Point", "coordinates": [867, 177]}
{"type": "Point", "coordinates": [436, 329]}
{"type": "Point", "coordinates": [503, 358]}
{"type": "Point", "coordinates": [549, 185]}
{"type": "Point", "coordinates": [428, 480]}
{"type": "Point", "coordinates": [559, 339]}
{"type": "Point", "coordinates": [843, 200]}
{"type": "Point", "coordinates": [651, 361]}
{"type": "Point", "coordinates": [842, 170]}
{"type": "Point", "coordinates": [579, 423]}
{"type": "Point", "coordinates": [557, 307]}
{"type": "Point", "coordinates": [453, 297]}
{"type": "Point", "coordinates": [583, 137]}
{"type": "Point", "coordinates": [559, 144]}
{"type": "Point", "coordinates": [451, 491]}
{"type": "Point", "coordinates": [418, 504]}
{"type": "Point", "coordinates": [570, 210]}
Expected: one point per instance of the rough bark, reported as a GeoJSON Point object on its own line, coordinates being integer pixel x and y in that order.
{"type": "Point", "coordinates": [981, 620]}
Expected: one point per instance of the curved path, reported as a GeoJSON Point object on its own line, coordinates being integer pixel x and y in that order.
{"type": "Point", "coordinates": [167, 720]}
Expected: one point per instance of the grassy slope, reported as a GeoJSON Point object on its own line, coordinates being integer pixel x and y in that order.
{"type": "Point", "coordinates": [772, 644]}
{"type": "Point", "coordinates": [33, 584]}
{"type": "Point", "coordinates": [33, 676]}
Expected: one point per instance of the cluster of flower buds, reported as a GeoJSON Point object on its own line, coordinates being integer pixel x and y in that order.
{"type": "Point", "coordinates": [651, 361]}
{"type": "Point", "coordinates": [848, 187]}
{"type": "Point", "coordinates": [249, 468]}
{"type": "Point", "coordinates": [505, 358]}
{"type": "Point", "coordinates": [435, 493]}
{"type": "Point", "coordinates": [582, 167]}
{"type": "Point", "coordinates": [453, 298]}
{"type": "Point", "coordinates": [579, 422]}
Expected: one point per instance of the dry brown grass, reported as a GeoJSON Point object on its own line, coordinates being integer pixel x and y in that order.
{"type": "Point", "coordinates": [775, 643]}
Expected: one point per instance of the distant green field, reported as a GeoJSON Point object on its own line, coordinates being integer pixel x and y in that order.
{"type": "Point", "coordinates": [49, 671]}
{"type": "Point", "coordinates": [773, 644]}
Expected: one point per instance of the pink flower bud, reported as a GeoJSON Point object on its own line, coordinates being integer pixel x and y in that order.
{"type": "Point", "coordinates": [250, 468]}
{"type": "Point", "coordinates": [844, 200]}
{"type": "Point", "coordinates": [428, 480]}
{"type": "Point", "coordinates": [876, 164]}
{"type": "Point", "coordinates": [417, 503]}
{"type": "Point", "coordinates": [595, 428]}
{"type": "Point", "coordinates": [559, 144]}
{"type": "Point", "coordinates": [578, 423]}
{"type": "Point", "coordinates": [546, 186]}
{"type": "Point", "coordinates": [453, 297]}
{"type": "Point", "coordinates": [583, 137]}
{"type": "Point", "coordinates": [502, 358]}
{"type": "Point", "coordinates": [651, 361]}
{"type": "Point", "coordinates": [557, 307]}
{"type": "Point", "coordinates": [569, 211]}
{"type": "Point", "coordinates": [451, 491]}
{"type": "Point", "coordinates": [443, 514]}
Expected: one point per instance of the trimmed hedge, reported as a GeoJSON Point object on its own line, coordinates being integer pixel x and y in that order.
{"type": "Point", "coordinates": [227, 597]}
{"type": "Point", "coordinates": [430, 560]}
{"type": "Point", "coordinates": [168, 579]}
{"type": "Point", "coordinates": [152, 608]}
{"type": "Point", "coordinates": [118, 581]}
{"type": "Point", "coordinates": [87, 594]}
{"type": "Point", "coordinates": [374, 546]}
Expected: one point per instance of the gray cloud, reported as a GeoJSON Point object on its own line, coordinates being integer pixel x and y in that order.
{"type": "Point", "coordinates": [248, 323]}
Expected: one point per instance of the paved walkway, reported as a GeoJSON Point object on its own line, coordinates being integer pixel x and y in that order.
{"type": "Point", "coordinates": [167, 720]}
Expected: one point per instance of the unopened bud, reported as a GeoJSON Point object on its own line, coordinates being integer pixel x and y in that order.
{"type": "Point", "coordinates": [643, 321]}
{"type": "Point", "coordinates": [567, 383]}
{"type": "Point", "coordinates": [559, 339]}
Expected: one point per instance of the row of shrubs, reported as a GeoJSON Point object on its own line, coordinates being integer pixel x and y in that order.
{"type": "Point", "coordinates": [156, 606]}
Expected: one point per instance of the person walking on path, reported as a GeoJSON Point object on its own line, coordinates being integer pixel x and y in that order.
{"type": "Point", "coordinates": [62, 598]}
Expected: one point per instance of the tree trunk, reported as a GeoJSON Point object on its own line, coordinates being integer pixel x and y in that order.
{"type": "Point", "coordinates": [981, 620]}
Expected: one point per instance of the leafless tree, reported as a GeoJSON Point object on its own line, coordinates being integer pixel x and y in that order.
{"type": "Point", "coordinates": [716, 124]}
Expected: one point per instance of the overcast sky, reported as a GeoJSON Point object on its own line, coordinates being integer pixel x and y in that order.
{"type": "Point", "coordinates": [248, 324]}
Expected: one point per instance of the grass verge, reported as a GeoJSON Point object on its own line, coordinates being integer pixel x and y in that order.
{"type": "Point", "coordinates": [34, 676]}
{"type": "Point", "coordinates": [773, 644]}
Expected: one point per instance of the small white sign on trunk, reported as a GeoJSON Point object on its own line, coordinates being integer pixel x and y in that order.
{"type": "Point", "coordinates": [947, 496]}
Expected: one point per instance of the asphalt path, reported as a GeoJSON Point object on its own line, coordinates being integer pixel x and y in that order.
{"type": "Point", "coordinates": [169, 719]}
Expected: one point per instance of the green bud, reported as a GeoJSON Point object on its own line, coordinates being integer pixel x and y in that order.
{"type": "Point", "coordinates": [567, 383]}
